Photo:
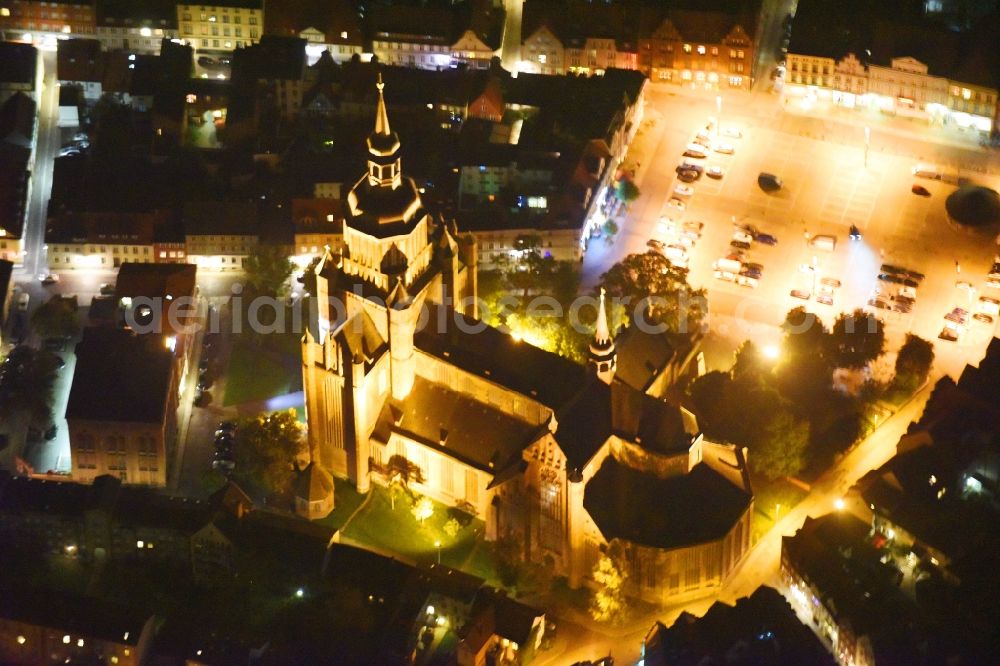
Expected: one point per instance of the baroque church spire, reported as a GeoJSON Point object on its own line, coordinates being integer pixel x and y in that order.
{"type": "Point", "coordinates": [602, 347]}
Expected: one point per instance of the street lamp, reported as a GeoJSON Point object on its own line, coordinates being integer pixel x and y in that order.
{"type": "Point", "coordinates": [437, 544]}
{"type": "Point", "coordinates": [868, 139]}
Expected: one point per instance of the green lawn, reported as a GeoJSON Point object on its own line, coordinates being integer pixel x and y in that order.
{"type": "Point", "coordinates": [397, 530]}
{"type": "Point", "coordinates": [772, 500]}
{"type": "Point", "coordinates": [257, 373]}
{"type": "Point", "coordinates": [346, 500]}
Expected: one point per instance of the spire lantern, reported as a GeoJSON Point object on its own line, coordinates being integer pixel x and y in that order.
{"type": "Point", "coordinates": [602, 348]}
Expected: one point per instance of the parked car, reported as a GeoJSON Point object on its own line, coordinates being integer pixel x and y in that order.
{"type": "Point", "coordinates": [687, 176]}
{"type": "Point", "coordinates": [741, 245]}
{"type": "Point", "coordinates": [724, 148]}
{"type": "Point", "coordinates": [69, 150]}
{"type": "Point", "coordinates": [694, 226]}
{"type": "Point", "coordinates": [714, 172]}
{"type": "Point", "coordinates": [766, 239]}
{"type": "Point", "coordinates": [107, 289]}
{"type": "Point", "coordinates": [48, 278]}
{"type": "Point", "coordinates": [732, 132]}
{"type": "Point", "coordinates": [920, 190]}
{"type": "Point", "coordinates": [725, 276]}
{"type": "Point", "coordinates": [983, 318]}
{"type": "Point", "coordinates": [696, 151]}
{"type": "Point", "coordinates": [682, 190]}
{"type": "Point", "coordinates": [963, 285]}
{"type": "Point", "coordinates": [989, 305]}
{"type": "Point", "coordinates": [746, 281]}
{"type": "Point", "coordinates": [800, 293]}
{"type": "Point", "coordinates": [676, 204]}
{"type": "Point", "coordinates": [690, 166]}
{"type": "Point", "coordinates": [742, 236]}
{"type": "Point", "coordinates": [948, 333]}
{"type": "Point", "coordinates": [655, 244]}
{"type": "Point", "coordinates": [855, 233]}
{"type": "Point", "coordinates": [747, 228]}
{"type": "Point", "coordinates": [768, 182]}
{"type": "Point", "coordinates": [751, 272]}
{"type": "Point", "coordinates": [880, 304]}
{"type": "Point", "coordinates": [830, 282]}
{"type": "Point", "coordinates": [825, 299]}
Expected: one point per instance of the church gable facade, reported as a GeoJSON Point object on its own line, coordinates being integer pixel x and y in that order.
{"type": "Point", "coordinates": [401, 378]}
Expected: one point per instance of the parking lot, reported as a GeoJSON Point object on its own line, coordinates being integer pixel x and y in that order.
{"type": "Point", "coordinates": [826, 188]}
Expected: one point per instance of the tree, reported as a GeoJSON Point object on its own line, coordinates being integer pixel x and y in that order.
{"type": "Point", "coordinates": [608, 604]}
{"type": "Point", "coordinates": [748, 366]}
{"type": "Point", "coordinates": [56, 318]}
{"type": "Point", "coordinates": [266, 446]}
{"type": "Point", "coordinates": [857, 339]}
{"type": "Point", "coordinates": [26, 380]}
{"type": "Point", "coordinates": [626, 190]}
{"type": "Point", "coordinates": [267, 269]}
{"type": "Point", "coordinates": [913, 363]}
{"type": "Point", "coordinates": [780, 449]}
{"type": "Point", "coordinates": [805, 334]}
{"type": "Point", "coordinates": [651, 286]}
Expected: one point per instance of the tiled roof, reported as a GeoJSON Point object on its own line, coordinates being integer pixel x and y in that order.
{"type": "Point", "coordinates": [155, 280]}
{"type": "Point", "coordinates": [18, 63]}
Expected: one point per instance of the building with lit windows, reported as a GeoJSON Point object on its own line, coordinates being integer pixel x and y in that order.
{"type": "Point", "coordinates": [713, 50]}
{"type": "Point", "coordinates": [222, 26]}
{"type": "Point", "coordinates": [128, 431]}
{"type": "Point", "coordinates": [136, 26]}
{"type": "Point", "coordinates": [102, 240]}
{"type": "Point", "coordinates": [331, 26]}
{"type": "Point", "coordinates": [219, 235]}
{"type": "Point", "coordinates": [319, 223]}
{"type": "Point", "coordinates": [563, 459]}
{"type": "Point", "coordinates": [543, 52]}
{"type": "Point", "coordinates": [37, 19]}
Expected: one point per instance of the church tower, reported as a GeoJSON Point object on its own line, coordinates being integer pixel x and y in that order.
{"type": "Point", "coordinates": [602, 347]}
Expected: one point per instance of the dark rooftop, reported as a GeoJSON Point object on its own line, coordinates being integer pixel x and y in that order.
{"type": "Point", "coordinates": [152, 13]}
{"type": "Point", "coordinates": [472, 431]}
{"type": "Point", "coordinates": [76, 615]}
{"type": "Point", "coordinates": [487, 352]}
{"type": "Point", "coordinates": [684, 510]}
{"type": "Point", "coordinates": [210, 218]}
{"type": "Point", "coordinates": [18, 63]}
{"type": "Point", "coordinates": [120, 377]}
{"type": "Point", "coordinates": [155, 280]}
{"type": "Point", "coordinates": [761, 628]}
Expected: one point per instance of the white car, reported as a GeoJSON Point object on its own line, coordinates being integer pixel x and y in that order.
{"type": "Point", "coordinates": [686, 241]}
{"type": "Point", "coordinates": [665, 225]}
{"type": "Point", "coordinates": [989, 305]}
{"type": "Point", "coordinates": [725, 276]}
{"type": "Point", "coordinates": [714, 172]}
{"type": "Point", "coordinates": [69, 150]}
{"type": "Point", "coordinates": [694, 226]}
{"type": "Point", "coordinates": [675, 251]}
{"type": "Point", "coordinates": [676, 204]}
{"type": "Point", "coordinates": [682, 190]}
{"type": "Point", "coordinates": [746, 281]}
{"type": "Point", "coordinates": [908, 292]}
{"type": "Point", "coordinates": [993, 283]}
{"type": "Point", "coordinates": [724, 148]}
{"type": "Point", "coordinates": [690, 233]}
{"type": "Point", "coordinates": [742, 236]}
{"type": "Point", "coordinates": [696, 151]}
{"type": "Point", "coordinates": [732, 132]}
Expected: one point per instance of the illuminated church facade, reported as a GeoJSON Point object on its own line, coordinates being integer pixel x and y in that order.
{"type": "Point", "coordinates": [565, 460]}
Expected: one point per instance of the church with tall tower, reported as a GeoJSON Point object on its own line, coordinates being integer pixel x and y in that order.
{"type": "Point", "coordinates": [566, 461]}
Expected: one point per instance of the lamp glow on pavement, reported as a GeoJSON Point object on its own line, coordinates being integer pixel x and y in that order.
{"type": "Point", "coordinates": [771, 352]}
{"type": "Point", "coordinates": [839, 504]}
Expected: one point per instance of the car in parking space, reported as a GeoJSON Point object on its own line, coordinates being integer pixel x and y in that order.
{"type": "Point", "coordinates": [800, 293]}
{"type": "Point", "coordinates": [747, 281]}
{"type": "Point", "coordinates": [687, 176]}
{"type": "Point", "coordinates": [68, 150]}
{"type": "Point", "coordinates": [686, 241]}
{"type": "Point", "coordinates": [732, 132]}
{"type": "Point", "coordinates": [694, 225]}
{"type": "Point", "coordinates": [690, 166]}
{"type": "Point", "coordinates": [983, 318]}
{"type": "Point", "coordinates": [107, 289]}
{"type": "Point", "coordinates": [225, 426]}
{"type": "Point", "coordinates": [654, 244]}
{"type": "Point", "coordinates": [989, 305]}
{"type": "Point", "coordinates": [830, 282]}
{"type": "Point", "coordinates": [949, 332]}
{"type": "Point", "coordinates": [48, 278]}
{"type": "Point", "coordinates": [682, 190]}
{"type": "Point", "coordinates": [880, 304]}
{"type": "Point", "coordinates": [742, 236]}
{"type": "Point", "coordinates": [81, 136]}
{"type": "Point", "coordinates": [696, 151]}
{"type": "Point", "coordinates": [747, 228]}
{"type": "Point", "coordinates": [908, 292]}
{"type": "Point", "coordinates": [993, 282]}
{"type": "Point", "coordinates": [766, 239]}
{"type": "Point", "coordinates": [714, 171]}
{"type": "Point", "coordinates": [726, 276]}
{"type": "Point", "coordinates": [920, 190]}
{"type": "Point", "coordinates": [898, 279]}
{"type": "Point", "coordinates": [689, 233]}
{"type": "Point", "coordinates": [958, 316]}
{"type": "Point", "coordinates": [703, 141]}
{"type": "Point", "coordinates": [724, 148]}
{"type": "Point", "coordinates": [676, 204]}
{"type": "Point", "coordinates": [740, 245]}
{"type": "Point", "coordinates": [755, 273]}
{"type": "Point", "coordinates": [891, 268]}
{"type": "Point", "coordinates": [754, 266]}
{"type": "Point", "coordinates": [825, 299]}
{"type": "Point", "coordinates": [963, 285]}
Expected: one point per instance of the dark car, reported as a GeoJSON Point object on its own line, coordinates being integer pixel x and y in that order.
{"type": "Point", "coordinates": [225, 426]}
{"type": "Point", "coordinates": [204, 383]}
{"type": "Point", "coordinates": [690, 166]}
{"type": "Point", "coordinates": [51, 432]}
{"type": "Point", "coordinates": [983, 317]}
{"type": "Point", "coordinates": [107, 289]}
{"type": "Point", "coordinates": [889, 268]}
{"type": "Point", "coordinates": [897, 279]}
{"type": "Point", "coordinates": [223, 461]}
{"type": "Point", "coordinates": [741, 245]}
{"type": "Point", "coordinates": [914, 274]}
{"type": "Point", "coordinates": [687, 176]}
{"type": "Point", "coordinates": [768, 182]}
{"type": "Point", "coordinates": [747, 271]}
{"type": "Point", "coordinates": [766, 239]}
{"type": "Point", "coordinates": [825, 299]}
{"type": "Point", "coordinates": [920, 190]}
{"type": "Point", "coordinates": [855, 233]}
{"type": "Point", "coordinates": [880, 304]}
{"type": "Point", "coordinates": [799, 293]}
{"type": "Point", "coordinates": [948, 334]}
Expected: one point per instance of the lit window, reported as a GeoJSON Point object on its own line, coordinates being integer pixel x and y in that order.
{"type": "Point", "coordinates": [139, 544]}
{"type": "Point", "coordinates": [687, 48]}
{"type": "Point", "coordinates": [966, 93]}
{"type": "Point", "coordinates": [541, 58]}
{"type": "Point", "coordinates": [701, 50]}
{"type": "Point", "coordinates": [343, 34]}
{"type": "Point", "coordinates": [4, 11]}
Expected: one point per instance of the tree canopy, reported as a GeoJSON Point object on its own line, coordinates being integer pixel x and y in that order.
{"type": "Point", "coordinates": [780, 448]}
{"type": "Point", "coordinates": [56, 318]}
{"type": "Point", "coordinates": [267, 270]}
{"type": "Point", "coordinates": [649, 285]}
{"type": "Point", "coordinates": [857, 339]}
{"type": "Point", "coordinates": [27, 376]}
{"type": "Point", "coordinates": [913, 362]}
{"type": "Point", "coordinates": [626, 190]}
{"type": "Point", "coordinates": [266, 446]}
